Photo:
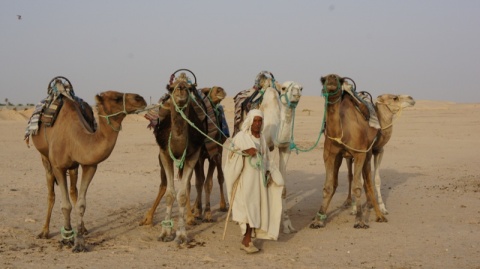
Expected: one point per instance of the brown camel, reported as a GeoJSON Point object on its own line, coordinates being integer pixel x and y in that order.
{"type": "Point", "coordinates": [387, 107]}
{"type": "Point", "coordinates": [70, 143]}
{"type": "Point", "coordinates": [213, 153]}
{"type": "Point", "coordinates": [180, 144]}
{"type": "Point", "coordinates": [347, 134]}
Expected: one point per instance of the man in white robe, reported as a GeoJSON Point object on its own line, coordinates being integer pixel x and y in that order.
{"type": "Point", "coordinates": [254, 183]}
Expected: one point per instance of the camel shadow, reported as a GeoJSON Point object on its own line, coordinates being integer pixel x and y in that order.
{"type": "Point", "coordinates": [305, 196]}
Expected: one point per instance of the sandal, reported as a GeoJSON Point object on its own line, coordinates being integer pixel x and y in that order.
{"type": "Point", "coordinates": [250, 249]}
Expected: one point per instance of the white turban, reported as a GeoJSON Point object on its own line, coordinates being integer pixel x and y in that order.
{"type": "Point", "coordinates": [247, 123]}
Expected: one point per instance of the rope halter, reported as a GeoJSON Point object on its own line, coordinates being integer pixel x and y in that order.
{"type": "Point", "coordinates": [290, 104]}
{"type": "Point", "coordinates": [116, 114]}
{"type": "Point", "coordinates": [397, 112]}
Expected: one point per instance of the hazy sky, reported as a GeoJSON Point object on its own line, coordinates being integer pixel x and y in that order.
{"type": "Point", "coordinates": [427, 49]}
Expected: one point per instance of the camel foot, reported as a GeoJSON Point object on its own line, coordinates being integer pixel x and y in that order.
{"type": "Point", "coordinates": [223, 208]}
{"type": "Point", "coordinates": [317, 224]}
{"type": "Point", "coordinates": [43, 235]}
{"type": "Point", "coordinates": [146, 221]}
{"type": "Point", "coordinates": [381, 219]}
{"type": "Point", "coordinates": [318, 221]}
{"type": "Point", "coordinates": [167, 234]}
{"type": "Point", "coordinates": [182, 238]}
{"type": "Point", "coordinates": [347, 203]}
{"type": "Point", "coordinates": [361, 225]}
{"type": "Point", "coordinates": [383, 209]}
{"type": "Point", "coordinates": [193, 221]}
{"type": "Point", "coordinates": [207, 218]}
{"type": "Point", "coordinates": [79, 245]}
{"type": "Point", "coordinates": [288, 227]}
{"type": "Point", "coordinates": [67, 242]}
{"type": "Point", "coordinates": [166, 237]}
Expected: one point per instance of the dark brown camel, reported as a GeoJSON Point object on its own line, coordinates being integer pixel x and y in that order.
{"type": "Point", "coordinates": [180, 145]}
{"type": "Point", "coordinates": [71, 143]}
{"type": "Point", "coordinates": [213, 153]}
{"type": "Point", "coordinates": [347, 134]}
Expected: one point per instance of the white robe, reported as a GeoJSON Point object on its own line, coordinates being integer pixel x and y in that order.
{"type": "Point", "coordinates": [254, 203]}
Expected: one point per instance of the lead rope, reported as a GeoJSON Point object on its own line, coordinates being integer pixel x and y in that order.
{"type": "Point", "coordinates": [325, 95]}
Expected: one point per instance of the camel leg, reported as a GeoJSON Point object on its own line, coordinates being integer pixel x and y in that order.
{"type": "Point", "coordinates": [332, 164]}
{"type": "Point", "coordinates": [51, 197]}
{"type": "Point", "coordinates": [73, 174]}
{"type": "Point", "coordinates": [181, 234]}
{"type": "Point", "coordinates": [377, 160]}
{"type": "Point", "coordinates": [148, 220]}
{"type": "Point", "coordinates": [166, 234]}
{"type": "Point", "coordinates": [67, 232]}
{"type": "Point", "coordinates": [283, 156]}
{"type": "Point", "coordinates": [221, 181]}
{"type": "Point", "coordinates": [88, 171]}
{"type": "Point", "coordinates": [199, 182]}
{"type": "Point", "coordinates": [207, 216]}
{"type": "Point", "coordinates": [357, 186]}
{"type": "Point", "coordinates": [367, 174]}
{"type": "Point", "coordinates": [349, 202]}
{"type": "Point", "coordinates": [189, 212]}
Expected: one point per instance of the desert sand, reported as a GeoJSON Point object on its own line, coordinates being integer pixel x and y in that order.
{"type": "Point", "coordinates": [431, 185]}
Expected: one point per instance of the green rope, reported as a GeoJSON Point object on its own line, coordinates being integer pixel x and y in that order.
{"type": "Point", "coordinates": [321, 216]}
{"type": "Point", "coordinates": [167, 223]}
{"type": "Point", "coordinates": [325, 95]}
{"type": "Point", "coordinates": [231, 148]}
{"type": "Point", "coordinates": [178, 162]}
{"type": "Point", "coordinates": [63, 232]}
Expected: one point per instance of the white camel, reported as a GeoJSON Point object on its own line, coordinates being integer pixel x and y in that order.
{"type": "Point", "coordinates": [388, 108]}
{"type": "Point", "coordinates": [278, 107]}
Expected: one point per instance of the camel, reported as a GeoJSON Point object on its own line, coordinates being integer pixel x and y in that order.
{"type": "Point", "coordinates": [180, 145]}
{"type": "Point", "coordinates": [347, 134]}
{"type": "Point", "coordinates": [387, 106]}
{"type": "Point", "coordinates": [213, 153]}
{"type": "Point", "coordinates": [71, 143]}
{"type": "Point", "coordinates": [278, 108]}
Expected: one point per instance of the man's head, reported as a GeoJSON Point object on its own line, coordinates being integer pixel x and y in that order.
{"type": "Point", "coordinates": [253, 122]}
{"type": "Point", "coordinates": [257, 125]}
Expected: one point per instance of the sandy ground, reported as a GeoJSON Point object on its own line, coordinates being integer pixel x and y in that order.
{"type": "Point", "coordinates": [431, 185]}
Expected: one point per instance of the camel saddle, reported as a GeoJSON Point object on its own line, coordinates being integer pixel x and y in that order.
{"type": "Point", "coordinates": [50, 112]}
{"type": "Point", "coordinates": [364, 105]}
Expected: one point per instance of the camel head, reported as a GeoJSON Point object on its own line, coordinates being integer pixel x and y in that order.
{"type": "Point", "coordinates": [215, 93]}
{"type": "Point", "coordinates": [331, 83]}
{"type": "Point", "coordinates": [114, 103]}
{"type": "Point", "coordinates": [180, 91]}
{"type": "Point", "coordinates": [395, 102]}
{"type": "Point", "coordinates": [291, 93]}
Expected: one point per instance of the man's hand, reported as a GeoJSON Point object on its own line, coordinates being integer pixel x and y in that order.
{"type": "Point", "coordinates": [269, 178]}
{"type": "Point", "coordinates": [251, 152]}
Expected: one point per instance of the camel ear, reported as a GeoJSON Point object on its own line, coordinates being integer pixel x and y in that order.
{"type": "Point", "coordinates": [98, 99]}
{"type": "Point", "coordinates": [322, 80]}
{"type": "Point", "coordinates": [341, 80]}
